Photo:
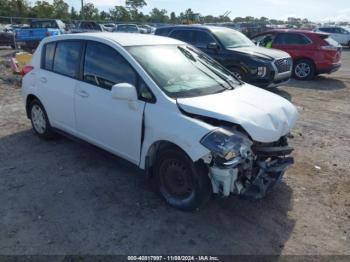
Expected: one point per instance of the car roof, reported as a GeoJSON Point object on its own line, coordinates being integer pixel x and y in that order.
{"type": "Point", "coordinates": [123, 39]}
{"type": "Point", "coordinates": [289, 31]}
{"type": "Point", "coordinates": [205, 27]}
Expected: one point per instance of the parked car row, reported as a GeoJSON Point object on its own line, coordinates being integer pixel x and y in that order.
{"type": "Point", "coordinates": [253, 64]}
{"type": "Point", "coordinates": [313, 53]}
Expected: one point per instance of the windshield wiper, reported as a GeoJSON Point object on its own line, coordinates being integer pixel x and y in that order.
{"type": "Point", "coordinates": [193, 59]}
{"type": "Point", "coordinates": [214, 67]}
{"type": "Point", "coordinates": [187, 54]}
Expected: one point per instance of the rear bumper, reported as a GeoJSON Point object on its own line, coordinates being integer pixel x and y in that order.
{"type": "Point", "coordinates": [330, 69]}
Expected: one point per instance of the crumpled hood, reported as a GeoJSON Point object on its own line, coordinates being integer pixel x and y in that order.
{"type": "Point", "coordinates": [264, 115]}
{"type": "Point", "coordinates": [267, 53]}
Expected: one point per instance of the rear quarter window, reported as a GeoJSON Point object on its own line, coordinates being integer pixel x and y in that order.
{"type": "Point", "coordinates": [48, 56]}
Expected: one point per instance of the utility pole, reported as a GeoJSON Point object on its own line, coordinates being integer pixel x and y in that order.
{"type": "Point", "coordinates": [82, 10]}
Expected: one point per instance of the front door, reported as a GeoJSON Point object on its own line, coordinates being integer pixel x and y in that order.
{"type": "Point", "coordinates": [115, 125]}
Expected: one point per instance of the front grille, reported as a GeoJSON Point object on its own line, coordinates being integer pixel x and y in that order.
{"type": "Point", "coordinates": [283, 65]}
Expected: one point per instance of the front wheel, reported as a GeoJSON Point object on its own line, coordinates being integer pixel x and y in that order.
{"type": "Point", "coordinates": [304, 70]}
{"type": "Point", "coordinates": [183, 184]}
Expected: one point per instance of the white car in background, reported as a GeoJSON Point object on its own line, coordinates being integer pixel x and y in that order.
{"type": "Point", "coordinates": [339, 34]}
{"type": "Point", "coordinates": [164, 106]}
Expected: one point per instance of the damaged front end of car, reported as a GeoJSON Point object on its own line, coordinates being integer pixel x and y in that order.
{"type": "Point", "coordinates": [239, 166]}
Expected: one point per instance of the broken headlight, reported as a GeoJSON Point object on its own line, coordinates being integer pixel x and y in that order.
{"type": "Point", "coordinates": [226, 144]}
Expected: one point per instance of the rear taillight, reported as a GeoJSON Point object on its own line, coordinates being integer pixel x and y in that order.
{"type": "Point", "coordinates": [48, 33]}
{"type": "Point", "coordinates": [26, 69]}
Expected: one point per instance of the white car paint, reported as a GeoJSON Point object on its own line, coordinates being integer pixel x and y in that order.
{"type": "Point", "coordinates": [265, 116]}
{"type": "Point", "coordinates": [115, 125]}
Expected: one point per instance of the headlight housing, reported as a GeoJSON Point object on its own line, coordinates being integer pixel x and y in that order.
{"type": "Point", "coordinates": [226, 144]}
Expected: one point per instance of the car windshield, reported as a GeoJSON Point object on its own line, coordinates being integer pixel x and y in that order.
{"type": "Point", "coordinates": [182, 71]}
{"type": "Point", "coordinates": [231, 38]}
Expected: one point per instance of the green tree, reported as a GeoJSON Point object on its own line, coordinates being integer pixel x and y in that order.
{"type": "Point", "coordinates": [42, 9]}
{"type": "Point", "coordinates": [189, 15]}
{"type": "Point", "coordinates": [18, 8]}
{"type": "Point", "coordinates": [173, 17]}
{"type": "Point", "coordinates": [133, 7]}
{"type": "Point", "coordinates": [104, 15]}
{"type": "Point", "coordinates": [90, 12]}
{"type": "Point", "coordinates": [120, 13]}
{"type": "Point", "coordinates": [60, 9]}
{"type": "Point", "coordinates": [159, 16]}
{"type": "Point", "coordinates": [73, 14]}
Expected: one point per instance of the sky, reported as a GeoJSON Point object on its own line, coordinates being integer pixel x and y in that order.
{"type": "Point", "coordinates": [315, 10]}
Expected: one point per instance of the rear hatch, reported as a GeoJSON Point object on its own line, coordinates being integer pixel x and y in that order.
{"type": "Point", "coordinates": [333, 48]}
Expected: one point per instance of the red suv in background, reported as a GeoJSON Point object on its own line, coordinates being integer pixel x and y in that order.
{"type": "Point", "coordinates": [313, 53]}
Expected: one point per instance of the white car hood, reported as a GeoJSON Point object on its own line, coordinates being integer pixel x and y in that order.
{"type": "Point", "coordinates": [264, 115]}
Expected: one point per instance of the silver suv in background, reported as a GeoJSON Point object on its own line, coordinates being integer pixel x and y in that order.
{"type": "Point", "coordinates": [339, 34]}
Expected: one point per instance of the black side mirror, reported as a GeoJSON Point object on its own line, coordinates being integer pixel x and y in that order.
{"type": "Point", "coordinates": [213, 46]}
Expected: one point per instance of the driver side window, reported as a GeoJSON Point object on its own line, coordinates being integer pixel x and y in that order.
{"type": "Point", "coordinates": [202, 39]}
{"type": "Point", "coordinates": [105, 67]}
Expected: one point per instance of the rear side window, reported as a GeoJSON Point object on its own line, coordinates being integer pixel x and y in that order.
{"type": "Point", "coordinates": [66, 61]}
{"type": "Point", "coordinates": [202, 39]}
{"type": "Point", "coordinates": [48, 55]}
{"type": "Point", "coordinates": [105, 67]}
{"type": "Point", "coordinates": [183, 35]}
{"type": "Point", "coordinates": [291, 39]}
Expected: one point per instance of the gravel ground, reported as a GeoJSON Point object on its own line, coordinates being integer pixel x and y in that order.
{"type": "Point", "coordinates": [68, 197]}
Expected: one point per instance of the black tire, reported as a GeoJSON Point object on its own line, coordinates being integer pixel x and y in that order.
{"type": "Point", "coordinates": [13, 46]}
{"type": "Point", "coordinates": [304, 69]}
{"type": "Point", "coordinates": [183, 184]}
{"type": "Point", "coordinates": [44, 129]}
{"type": "Point", "coordinates": [349, 44]}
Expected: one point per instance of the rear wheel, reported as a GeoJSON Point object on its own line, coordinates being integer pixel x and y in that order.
{"type": "Point", "coordinates": [40, 121]}
{"type": "Point", "coordinates": [304, 70]}
{"type": "Point", "coordinates": [183, 184]}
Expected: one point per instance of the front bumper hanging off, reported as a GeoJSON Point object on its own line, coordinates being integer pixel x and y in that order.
{"type": "Point", "coordinates": [255, 182]}
{"type": "Point", "coordinates": [268, 175]}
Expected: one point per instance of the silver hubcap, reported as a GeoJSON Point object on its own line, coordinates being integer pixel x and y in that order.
{"type": "Point", "coordinates": [38, 119]}
{"type": "Point", "coordinates": [302, 70]}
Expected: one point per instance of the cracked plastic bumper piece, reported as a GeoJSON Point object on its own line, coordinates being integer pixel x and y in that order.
{"type": "Point", "coordinates": [227, 180]}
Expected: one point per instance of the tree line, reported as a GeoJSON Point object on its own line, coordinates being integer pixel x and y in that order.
{"type": "Point", "coordinates": [130, 12]}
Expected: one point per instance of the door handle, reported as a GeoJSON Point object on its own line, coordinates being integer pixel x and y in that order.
{"type": "Point", "coordinates": [43, 80]}
{"type": "Point", "coordinates": [83, 93]}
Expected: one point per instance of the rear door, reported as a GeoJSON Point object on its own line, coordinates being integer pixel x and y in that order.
{"type": "Point", "coordinates": [296, 44]}
{"type": "Point", "coordinates": [115, 125]}
{"type": "Point", "coordinates": [57, 80]}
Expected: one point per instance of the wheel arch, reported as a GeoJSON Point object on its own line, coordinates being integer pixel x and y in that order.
{"type": "Point", "coordinates": [29, 99]}
{"type": "Point", "coordinates": [155, 148]}
{"type": "Point", "coordinates": [304, 58]}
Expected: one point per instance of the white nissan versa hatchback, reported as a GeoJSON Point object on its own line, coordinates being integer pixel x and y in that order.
{"type": "Point", "coordinates": [164, 106]}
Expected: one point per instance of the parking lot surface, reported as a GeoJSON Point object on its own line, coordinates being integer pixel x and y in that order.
{"type": "Point", "coordinates": [68, 197]}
